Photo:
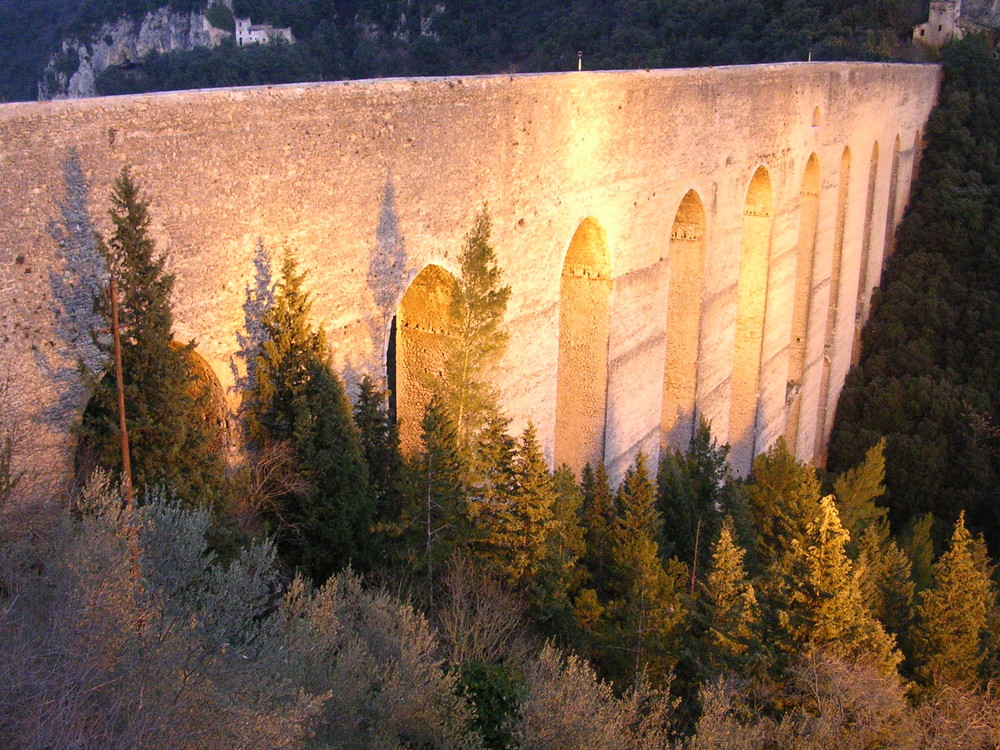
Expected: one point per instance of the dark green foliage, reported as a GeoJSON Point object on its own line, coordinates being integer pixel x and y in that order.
{"type": "Point", "coordinates": [380, 445]}
{"type": "Point", "coordinates": [496, 691]}
{"type": "Point", "coordinates": [220, 17]}
{"type": "Point", "coordinates": [433, 521]}
{"type": "Point", "coordinates": [298, 399]}
{"type": "Point", "coordinates": [174, 436]}
{"type": "Point", "coordinates": [931, 349]}
{"type": "Point", "coordinates": [596, 516]}
{"type": "Point", "coordinates": [694, 492]}
{"type": "Point", "coordinates": [339, 509]}
{"type": "Point", "coordinates": [784, 497]}
{"type": "Point", "coordinates": [375, 38]}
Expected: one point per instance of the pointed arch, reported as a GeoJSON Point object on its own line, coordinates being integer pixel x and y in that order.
{"type": "Point", "coordinates": [686, 266]}
{"type": "Point", "coordinates": [584, 320]}
{"type": "Point", "coordinates": [797, 347]}
{"type": "Point", "coordinates": [758, 218]}
{"type": "Point", "coordinates": [861, 308]}
{"type": "Point", "coordinates": [823, 416]}
{"type": "Point", "coordinates": [418, 345]}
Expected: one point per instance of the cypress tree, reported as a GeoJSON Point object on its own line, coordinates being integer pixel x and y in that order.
{"type": "Point", "coordinates": [952, 614]}
{"type": "Point", "coordinates": [300, 400]}
{"type": "Point", "coordinates": [477, 310]}
{"type": "Point", "coordinates": [175, 439]}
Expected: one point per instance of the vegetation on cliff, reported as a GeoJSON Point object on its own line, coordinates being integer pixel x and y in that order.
{"type": "Point", "coordinates": [377, 38]}
{"type": "Point", "coordinates": [927, 380]}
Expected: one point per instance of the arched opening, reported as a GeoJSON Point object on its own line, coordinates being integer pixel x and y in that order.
{"type": "Point", "coordinates": [890, 211]}
{"type": "Point", "coordinates": [418, 346]}
{"type": "Point", "coordinates": [808, 218]}
{"type": "Point", "coordinates": [582, 380]}
{"type": "Point", "coordinates": [100, 415]}
{"type": "Point", "coordinates": [861, 308]}
{"type": "Point", "coordinates": [686, 263]}
{"type": "Point", "coordinates": [758, 216]}
{"type": "Point", "coordinates": [831, 316]}
{"type": "Point", "coordinates": [918, 150]}
{"type": "Point", "coordinates": [817, 118]}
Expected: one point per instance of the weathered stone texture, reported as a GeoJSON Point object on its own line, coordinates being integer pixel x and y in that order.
{"type": "Point", "coordinates": [371, 181]}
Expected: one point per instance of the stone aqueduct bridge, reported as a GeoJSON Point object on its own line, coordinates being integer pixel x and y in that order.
{"type": "Point", "coordinates": [679, 243]}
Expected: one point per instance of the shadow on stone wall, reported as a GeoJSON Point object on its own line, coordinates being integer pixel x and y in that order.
{"type": "Point", "coordinates": [389, 268]}
{"type": "Point", "coordinates": [78, 278]}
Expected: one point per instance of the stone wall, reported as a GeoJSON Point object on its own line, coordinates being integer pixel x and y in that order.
{"type": "Point", "coordinates": [369, 182]}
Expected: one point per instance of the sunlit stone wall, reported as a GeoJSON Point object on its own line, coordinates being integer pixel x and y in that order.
{"type": "Point", "coordinates": [369, 182]}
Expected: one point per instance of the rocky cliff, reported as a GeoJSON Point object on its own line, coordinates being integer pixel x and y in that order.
{"type": "Point", "coordinates": [72, 71]}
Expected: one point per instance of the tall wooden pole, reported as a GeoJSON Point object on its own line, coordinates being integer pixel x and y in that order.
{"type": "Point", "coordinates": [122, 429]}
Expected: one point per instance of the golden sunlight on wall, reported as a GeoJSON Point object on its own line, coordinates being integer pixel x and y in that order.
{"type": "Point", "coordinates": [758, 217]}
{"type": "Point", "coordinates": [584, 319]}
{"type": "Point", "coordinates": [420, 332]}
{"type": "Point", "coordinates": [822, 428]}
{"type": "Point", "coordinates": [686, 264]}
{"type": "Point", "coordinates": [808, 220]}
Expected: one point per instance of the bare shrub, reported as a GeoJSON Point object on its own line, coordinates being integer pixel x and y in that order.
{"type": "Point", "coordinates": [569, 708]}
{"type": "Point", "coordinates": [956, 718]}
{"type": "Point", "coordinates": [379, 655]}
{"type": "Point", "coordinates": [479, 619]}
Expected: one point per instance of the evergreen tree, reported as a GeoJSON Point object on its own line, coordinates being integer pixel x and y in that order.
{"type": "Point", "coordinates": [885, 579]}
{"type": "Point", "coordinates": [919, 548]}
{"type": "Point", "coordinates": [732, 613]}
{"type": "Point", "coordinates": [561, 574]}
{"type": "Point", "coordinates": [784, 497]}
{"type": "Point", "coordinates": [857, 489]}
{"type": "Point", "coordinates": [490, 503]}
{"type": "Point", "coordinates": [519, 522]}
{"type": "Point", "coordinates": [258, 301]}
{"type": "Point", "coordinates": [820, 602]}
{"type": "Point", "coordinates": [434, 521]}
{"type": "Point", "coordinates": [380, 446]}
{"type": "Point", "coordinates": [645, 608]}
{"type": "Point", "coordinates": [952, 615]}
{"type": "Point", "coordinates": [695, 491]}
{"type": "Point", "coordinates": [477, 311]}
{"type": "Point", "coordinates": [298, 399]}
{"type": "Point", "coordinates": [175, 440]}
{"type": "Point", "coordinates": [596, 517]}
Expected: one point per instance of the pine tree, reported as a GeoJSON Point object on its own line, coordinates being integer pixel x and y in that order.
{"type": "Point", "coordinates": [645, 608]}
{"type": "Point", "coordinates": [175, 439]}
{"type": "Point", "coordinates": [434, 520]}
{"type": "Point", "coordinates": [732, 613]}
{"type": "Point", "coordinates": [857, 490]}
{"type": "Point", "coordinates": [596, 517]}
{"type": "Point", "coordinates": [380, 446]}
{"type": "Point", "coordinates": [952, 615]}
{"type": "Point", "coordinates": [919, 548]}
{"type": "Point", "coordinates": [298, 399]}
{"type": "Point", "coordinates": [784, 497]}
{"type": "Point", "coordinates": [885, 579]}
{"type": "Point", "coordinates": [515, 536]}
{"type": "Point", "coordinates": [477, 311]}
{"type": "Point", "coordinates": [821, 602]}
